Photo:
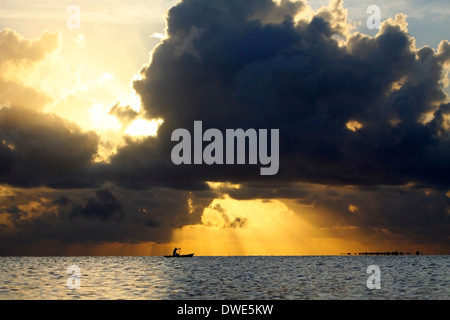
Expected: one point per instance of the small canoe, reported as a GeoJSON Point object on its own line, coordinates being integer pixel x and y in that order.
{"type": "Point", "coordinates": [181, 256]}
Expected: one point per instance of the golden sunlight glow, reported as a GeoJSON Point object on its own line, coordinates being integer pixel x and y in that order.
{"type": "Point", "coordinates": [397, 85]}
{"type": "Point", "coordinates": [6, 192]}
{"type": "Point", "coordinates": [121, 249]}
{"type": "Point", "coordinates": [101, 120]}
{"type": "Point", "coordinates": [426, 118]}
{"type": "Point", "coordinates": [132, 99]}
{"type": "Point", "coordinates": [352, 208]}
{"type": "Point", "coordinates": [10, 146]}
{"type": "Point", "coordinates": [306, 14]}
{"type": "Point", "coordinates": [223, 185]}
{"type": "Point", "coordinates": [354, 125]}
{"type": "Point", "coordinates": [34, 209]}
{"type": "Point", "coordinates": [78, 79]}
{"type": "Point", "coordinates": [80, 40]}
{"type": "Point", "coordinates": [190, 206]}
{"type": "Point", "coordinates": [446, 123]}
{"type": "Point", "coordinates": [446, 77]}
{"type": "Point", "coordinates": [106, 77]}
{"type": "Point", "coordinates": [159, 35]}
{"type": "Point", "coordinates": [143, 128]}
{"type": "Point", "coordinates": [252, 227]}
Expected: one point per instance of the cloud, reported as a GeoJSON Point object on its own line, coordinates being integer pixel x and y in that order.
{"type": "Point", "coordinates": [125, 114]}
{"type": "Point", "coordinates": [420, 215]}
{"type": "Point", "coordinates": [37, 148]}
{"type": "Point", "coordinates": [103, 206]}
{"type": "Point", "coordinates": [378, 97]}
{"type": "Point", "coordinates": [352, 208]}
{"type": "Point", "coordinates": [95, 216]}
{"type": "Point", "coordinates": [298, 78]}
{"type": "Point", "coordinates": [42, 149]}
{"type": "Point", "coordinates": [15, 48]}
{"type": "Point", "coordinates": [363, 120]}
{"type": "Point", "coordinates": [19, 55]}
{"type": "Point", "coordinates": [237, 222]}
{"type": "Point", "coordinates": [366, 111]}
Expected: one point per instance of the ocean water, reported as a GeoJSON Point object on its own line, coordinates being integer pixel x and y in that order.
{"type": "Point", "coordinates": [224, 278]}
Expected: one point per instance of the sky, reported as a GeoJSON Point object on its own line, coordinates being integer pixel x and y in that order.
{"type": "Point", "coordinates": [90, 94]}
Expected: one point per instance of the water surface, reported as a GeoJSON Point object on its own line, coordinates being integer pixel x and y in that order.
{"type": "Point", "coordinates": [269, 278]}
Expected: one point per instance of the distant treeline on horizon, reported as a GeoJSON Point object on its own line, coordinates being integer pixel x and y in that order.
{"type": "Point", "coordinates": [387, 253]}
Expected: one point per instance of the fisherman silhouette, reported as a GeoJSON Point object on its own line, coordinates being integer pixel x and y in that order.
{"type": "Point", "coordinates": [175, 252]}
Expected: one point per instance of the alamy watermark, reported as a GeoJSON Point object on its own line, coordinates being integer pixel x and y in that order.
{"type": "Point", "coordinates": [374, 281]}
{"type": "Point", "coordinates": [74, 280]}
{"type": "Point", "coordinates": [235, 150]}
{"type": "Point", "coordinates": [374, 20]}
{"type": "Point", "coordinates": [74, 20]}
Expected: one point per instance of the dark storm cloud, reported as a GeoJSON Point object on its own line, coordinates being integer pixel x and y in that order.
{"type": "Point", "coordinates": [103, 206]}
{"type": "Point", "coordinates": [419, 214]}
{"type": "Point", "coordinates": [237, 222]}
{"type": "Point", "coordinates": [248, 64]}
{"type": "Point", "coordinates": [125, 114]}
{"type": "Point", "coordinates": [97, 216]}
{"type": "Point", "coordinates": [367, 112]}
{"type": "Point", "coordinates": [42, 149]}
{"type": "Point", "coordinates": [225, 64]}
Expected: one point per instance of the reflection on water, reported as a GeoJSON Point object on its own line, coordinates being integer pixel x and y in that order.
{"type": "Point", "coordinates": [321, 277]}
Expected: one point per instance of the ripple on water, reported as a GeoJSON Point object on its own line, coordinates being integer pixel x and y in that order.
{"type": "Point", "coordinates": [339, 277]}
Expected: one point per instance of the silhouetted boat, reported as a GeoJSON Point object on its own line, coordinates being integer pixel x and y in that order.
{"type": "Point", "coordinates": [190, 255]}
